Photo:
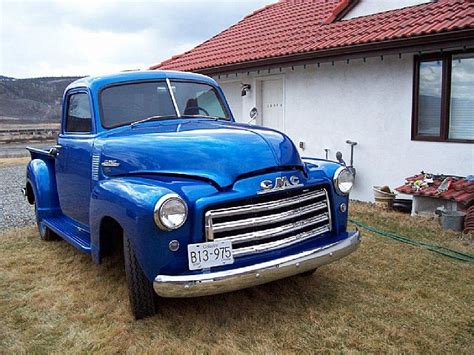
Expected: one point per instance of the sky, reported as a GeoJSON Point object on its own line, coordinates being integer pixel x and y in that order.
{"type": "Point", "coordinates": [66, 38]}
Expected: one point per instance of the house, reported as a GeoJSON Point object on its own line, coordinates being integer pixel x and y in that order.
{"type": "Point", "coordinates": [397, 77]}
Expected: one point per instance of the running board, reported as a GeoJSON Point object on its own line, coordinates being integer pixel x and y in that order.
{"type": "Point", "coordinates": [67, 229]}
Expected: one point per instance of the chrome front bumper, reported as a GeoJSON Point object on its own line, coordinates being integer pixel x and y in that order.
{"type": "Point", "coordinates": [231, 280]}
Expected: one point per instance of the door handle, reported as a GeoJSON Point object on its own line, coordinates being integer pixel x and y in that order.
{"type": "Point", "coordinates": [54, 151]}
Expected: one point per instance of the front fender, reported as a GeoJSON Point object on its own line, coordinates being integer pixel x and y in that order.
{"type": "Point", "coordinates": [320, 167]}
{"type": "Point", "coordinates": [40, 175]}
{"type": "Point", "coordinates": [131, 201]}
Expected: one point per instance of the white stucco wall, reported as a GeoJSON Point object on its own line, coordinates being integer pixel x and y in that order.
{"type": "Point", "coordinates": [370, 103]}
{"type": "Point", "coordinates": [369, 7]}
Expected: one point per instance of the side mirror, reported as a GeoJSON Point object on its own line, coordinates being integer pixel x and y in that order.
{"type": "Point", "coordinates": [339, 158]}
{"type": "Point", "coordinates": [253, 113]}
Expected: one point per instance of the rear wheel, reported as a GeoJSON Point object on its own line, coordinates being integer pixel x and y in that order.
{"type": "Point", "coordinates": [44, 232]}
{"type": "Point", "coordinates": [140, 289]}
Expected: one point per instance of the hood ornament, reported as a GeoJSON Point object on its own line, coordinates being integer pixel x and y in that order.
{"type": "Point", "coordinates": [281, 183]}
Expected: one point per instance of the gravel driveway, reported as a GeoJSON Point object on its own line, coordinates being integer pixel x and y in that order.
{"type": "Point", "coordinates": [15, 210]}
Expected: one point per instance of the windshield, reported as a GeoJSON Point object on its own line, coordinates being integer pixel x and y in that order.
{"type": "Point", "coordinates": [124, 104]}
{"type": "Point", "coordinates": [134, 102]}
{"type": "Point", "coordinates": [197, 99]}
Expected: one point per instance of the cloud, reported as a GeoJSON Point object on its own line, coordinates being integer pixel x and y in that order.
{"type": "Point", "coordinates": [42, 38]}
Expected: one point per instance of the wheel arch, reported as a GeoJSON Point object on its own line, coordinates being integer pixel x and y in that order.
{"type": "Point", "coordinates": [29, 193]}
{"type": "Point", "coordinates": [126, 206]}
{"type": "Point", "coordinates": [110, 238]}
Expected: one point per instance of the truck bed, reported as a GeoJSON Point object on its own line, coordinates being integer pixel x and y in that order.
{"type": "Point", "coordinates": [38, 153]}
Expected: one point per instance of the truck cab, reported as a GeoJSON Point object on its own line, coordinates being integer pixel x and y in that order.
{"type": "Point", "coordinates": [154, 161]}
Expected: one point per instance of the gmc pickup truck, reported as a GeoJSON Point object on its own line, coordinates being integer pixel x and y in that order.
{"type": "Point", "coordinates": [154, 164]}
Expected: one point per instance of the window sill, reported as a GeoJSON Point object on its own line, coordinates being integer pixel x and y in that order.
{"type": "Point", "coordinates": [441, 140]}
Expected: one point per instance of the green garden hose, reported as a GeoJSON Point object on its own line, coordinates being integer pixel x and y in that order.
{"type": "Point", "coordinates": [450, 253]}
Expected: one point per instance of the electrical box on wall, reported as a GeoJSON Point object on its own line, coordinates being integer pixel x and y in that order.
{"type": "Point", "coordinates": [302, 145]}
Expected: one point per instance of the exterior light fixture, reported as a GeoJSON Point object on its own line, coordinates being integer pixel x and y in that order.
{"type": "Point", "coordinates": [245, 88]}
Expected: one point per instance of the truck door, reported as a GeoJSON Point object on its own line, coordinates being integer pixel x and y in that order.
{"type": "Point", "coordinates": [73, 162]}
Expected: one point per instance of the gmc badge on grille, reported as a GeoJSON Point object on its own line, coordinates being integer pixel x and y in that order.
{"type": "Point", "coordinates": [281, 183]}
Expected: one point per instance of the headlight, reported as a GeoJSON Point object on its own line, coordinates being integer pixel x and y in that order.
{"type": "Point", "coordinates": [343, 180]}
{"type": "Point", "coordinates": [170, 212]}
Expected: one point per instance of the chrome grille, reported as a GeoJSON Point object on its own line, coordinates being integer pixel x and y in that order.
{"type": "Point", "coordinates": [270, 223]}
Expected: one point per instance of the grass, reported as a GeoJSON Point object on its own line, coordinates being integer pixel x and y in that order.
{"type": "Point", "coordinates": [386, 297]}
{"type": "Point", "coordinates": [14, 161]}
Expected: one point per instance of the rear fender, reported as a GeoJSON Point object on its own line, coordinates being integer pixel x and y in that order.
{"type": "Point", "coordinates": [40, 174]}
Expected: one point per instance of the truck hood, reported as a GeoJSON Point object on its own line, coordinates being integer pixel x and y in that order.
{"type": "Point", "coordinates": [214, 150]}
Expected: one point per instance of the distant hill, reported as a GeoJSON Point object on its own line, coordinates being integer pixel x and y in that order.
{"type": "Point", "coordinates": [32, 100]}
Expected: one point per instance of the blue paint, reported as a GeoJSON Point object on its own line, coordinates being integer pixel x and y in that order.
{"type": "Point", "coordinates": [205, 161]}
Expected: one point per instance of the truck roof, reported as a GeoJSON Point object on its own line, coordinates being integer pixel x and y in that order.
{"type": "Point", "coordinates": [99, 81]}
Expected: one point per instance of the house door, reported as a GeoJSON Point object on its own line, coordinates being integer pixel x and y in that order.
{"type": "Point", "coordinates": [272, 104]}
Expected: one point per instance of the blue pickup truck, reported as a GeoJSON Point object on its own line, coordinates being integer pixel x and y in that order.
{"type": "Point", "coordinates": [153, 164]}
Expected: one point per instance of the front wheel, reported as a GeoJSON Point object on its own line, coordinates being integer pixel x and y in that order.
{"type": "Point", "coordinates": [140, 289]}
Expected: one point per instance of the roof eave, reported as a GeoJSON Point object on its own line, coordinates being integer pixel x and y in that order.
{"type": "Point", "coordinates": [426, 43]}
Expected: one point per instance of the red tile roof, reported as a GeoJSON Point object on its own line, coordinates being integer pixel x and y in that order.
{"type": "Point", "coordinates": [295, 27]}
{"type": "Point", "coordinates": [459, 190]}
{"type": "Point", "coordinates": [469, 220]}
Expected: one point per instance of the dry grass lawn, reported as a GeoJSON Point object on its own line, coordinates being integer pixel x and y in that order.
{"type": "Point", "coordinates": [14, 161]}
{"type": "Point", "coordinates": [386, 297]}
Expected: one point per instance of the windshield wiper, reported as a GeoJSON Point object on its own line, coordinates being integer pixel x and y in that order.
{"type": "Point", "coordinates": [205, 116]}
{"type": "Point", "coordinates": [151, 118]}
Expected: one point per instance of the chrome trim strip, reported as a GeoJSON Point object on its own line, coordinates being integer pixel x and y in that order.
{"type": "Point", "coordinates": [95, 167]}
{"type": "Point", "coordinates": [209, 227]}
{"type": "Point", "coordinates": [276, 231]}
{"type": "Point", "coordinates": [211, 283]}
{"type": "Point", "coordinates": [168, 83]}
{"type": "Point", "coordinates": [258, 207]}
{"type": "Point", "coordinates": [264, 220]}
{"type": "Point", "coordinates": [280, 243]}
{"type": "Point", "coordinates": [329, 209]}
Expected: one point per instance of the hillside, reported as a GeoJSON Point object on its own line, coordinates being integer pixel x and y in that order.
{"type": "Point", "coordinates": [35, 100]}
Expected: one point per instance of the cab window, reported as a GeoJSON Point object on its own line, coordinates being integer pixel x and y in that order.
{"type": "Point", "coordinates": [79, 118]}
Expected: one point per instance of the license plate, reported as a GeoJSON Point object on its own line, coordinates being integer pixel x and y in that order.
{"type": "Point", "coordinates": [206, 255]}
